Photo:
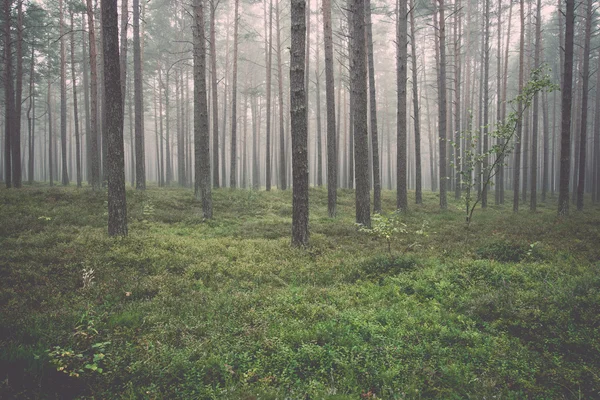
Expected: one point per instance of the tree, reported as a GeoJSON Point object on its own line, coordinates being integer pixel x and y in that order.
{"type": "Point", "coordinates": [358, 86]}
{"type": "Point", "coordinates": [299, 124]}
{"type": "Point", "coordinates": [93, 133]}
{"type": "Point", "coordinates": [534, 137]}
{"type": "Point", "coordinates": [75, 111]}
{"type": "Point", "coordinates": [373, 111]}
{"type": "Point", "coordinates": [332, 156]}
{"type": "Point", "coordinates": [567, 92]}
{"type": "Point", "coordinates": [416, 111]}
{"type": "Point", "coordinates": [442, 100]}
{"type": "Point", "coordinates": [584, 105]}
{"type": "Point", "coordinates": [233, 170]}
{"type": "Point", "coordinates": [16, 140]}
{"type": "Point", "coordinates": [117, 206]}
{"type": "Point", "coordinates": [486, 95]}
{"type": "Point", "coordinates": [8, 95]}
{"type": "Point", "coordinates": [517, 166]}
{"type": "Point", "coordinates": [138, 100]}
{"type": "Point", "coordinates": [215, 104]}
{"type": "Point", "coordinates": [282, 141]}
{"type": "Point", "coordinates": [401, 76]}
{"type": "Point", "coordinates": [202, 187]}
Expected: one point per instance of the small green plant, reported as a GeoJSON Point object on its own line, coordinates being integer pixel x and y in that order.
{"type": "Point", "coordinates": [85, 355]}
{"type": "Point", "coordinates": [384, 227]}
{"type": "Point", "coordinates": [147, 211]}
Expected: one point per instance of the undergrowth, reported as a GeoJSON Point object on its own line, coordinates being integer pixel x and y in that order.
{"type": "Point", "coordinates": [227, 309]}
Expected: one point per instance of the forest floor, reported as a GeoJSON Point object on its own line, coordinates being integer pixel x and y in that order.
{"type": "Point", "coordinates": [227, 309]}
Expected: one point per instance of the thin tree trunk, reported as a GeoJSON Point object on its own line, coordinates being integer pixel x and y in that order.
{"type": "Point", "coordinates": [332, 152]}
{"type": "Point", "coordinates": [416, 110]}
{"type": "Point", "coordinates": [138, 99]}
{"type": "Point", "coordinates": [215, 104]}
{"type": "Point", "coordinates": [63, 97]}
{"type": "Point", "coordinates": [93, 133]}
{"type": "Point", "coordinates": [486, 103]}
{"type": "Point", "coordinates": [442, 101]}
{"type": "Point", "coordinates": [401, 128]}
{"type": "Point", "coordinates": [233, 170]}
{"type": "Point", "coordinates": [567, 91]}
{"type": "Point", "coordinates": [498, 100]}
{"type": "Point", "coordinates": [9, 99]}
{"type": "Point", "coordinates": [17, 178]}
{"type": "Point", "coordinates": [268, 58]}
{"type": "Point", "coordinates": [75, 114]}
{"type": "Point", "coordinates": [596, 171]}
{"type": "Point", "coordinates": [31, 116]}
{"type": "Point", "coordinates": [517, 163]}
{"type": "Point", "coordinates": [534, 136]}
{"type": "Point", "coordinates": [584, 105]}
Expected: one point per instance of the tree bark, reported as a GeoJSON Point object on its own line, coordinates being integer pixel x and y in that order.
{"type": "Point", "coordinates": [584, 105]}
{"type": "Point", "coordinates": [9, 99]}
{"type": "Point", "coordinates": [93, 133]}
{"type": "Point", "coordinates": [299, 124]}
{"type": "Point", "coordinates": [442, 102]}
{"type": "Point", "coordinates": [75, 111]}
{"type": "Point", "coordinates": [233, 170]}
{"type": "Point", "coordinates": [138, 100]}
{"type": "Point", "coordinates": [401, 128]}
{"type": "Point", "coordinates": [517, 163]}
{"type": "Point", "coordinates": [63, 96]}
{"type": "Point", "coordinates": [268, 59]}
{"type": "Point", "coordinates": [373, 110]}
{"type": "Point", "coordinates": [567, 91]}
{"type": "Point", "coordinates": [486, 103]}
{"type": "Point", "coordinates": [416, 110]}
{"type": "Point", "coordinates": [332, 153]}
{"type": "Point", "coordinates": [202, 187]}
{"type": "Point", "coordinates": [535, 127]}
{"type": "Point", "coordinates": [17, 178]}
{"type": "Point", "coordinates": [215, 104]}
{"type": "Point", "coordinates": [117, 206]}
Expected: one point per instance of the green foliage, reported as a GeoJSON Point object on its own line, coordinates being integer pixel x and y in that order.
{"type": "Point", "coordinates": [227, 309]}
{"type": "Point", "coordinates": [502, 138]}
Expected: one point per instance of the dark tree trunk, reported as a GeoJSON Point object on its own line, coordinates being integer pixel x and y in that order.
{"type": "Point", "coordinates": [332, 154]}
{"type": "Point", "coordinates": [534, 136]}
{"type": "Point", "coordinates": [567, 92]}
{"type": "Point", "coordinates": [486, 103]}
{"type": "Point", "coordinates": [75, 113]}
{"type": "Point", "coordinates": [63, 96]}
{"type": "Point", "coordinates": [50, 152]}
{"type": "Point", "coordinates": [457, 91]}
{"type": "Point", "coordinates": [299, 122]}
{"type": "Point", "coordinates": [215, 103]}
{"type": "Point", "coordinates": [358, 85]}
{"type": "Point", "coordinates": [17, 178]}
{"type": "Point", "coordinates": [31, 116]}
{"type": "Point", "coordinates": [138, 100]}
{"type": "Point", "coordinates": [282, 143]}
{"type": "Point", "coordinates": [201, 133]}
{"type": "Point", "coordinates": [401, 76]}
{"type": "Point", "coordinates": [498, 100]}
{"type": "Point", "coordinates": [584, 105]}
{"type": "Point", "coordinates": [115, 168]}
{"type": "Point", "coordinates": [517, 163]}
{"type": "Point", "coordinates": [233, 170]}
{"type": "Point", "coordinates": [442, 102]}
{"type": "Point", "coordinates": [268, 59]}
{"type": "Point", "coordinates": [416, 111]}
{"type": "Point", "coordinates": [373, 111]}
{"type": "Point", "coordinates": [9, 99]}
{"type": "Point", "coordinates": [93, 133]}
{"type": "Point", "coordinates": [596, 180]}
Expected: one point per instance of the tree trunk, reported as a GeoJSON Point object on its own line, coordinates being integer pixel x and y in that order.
{"type": "Point", "coordinates": [93, 133]}
{"type": "Point", "coordinates": [517, 163]}
{"type": "Point", "coordinates": [215, 103]}
{"type": "Point", "coordinates": [596, 173]}
{"type": "Point", "coordinates": [442, 101]}
{"type": "Point", "coordinates": [584, 105]}
{"type": "Point", "coordinates": [498, 101]}
{"type": "Point", "coordinates": [63, 96]}
{"type": "Point", "coordinates": [31, 116]}
{"type": "Point", "coordinates": [416, 110]}
{"type": "Point", "coordinates": [358, 85]}
{"type": "Point", "coordinates": [486, 103]}
{"type": "Point", "coordinates": [201, 133]}
{"type": "Point", "coordinates": [16, 139]}
{"type": "Point", "coordinates": [9, 99]}
{"type": "Point", "coordinates": [75, 114]}
{"type": "Point", "coordinates": [268, 58]}
{"type": "Point", "coordinates": [373, 110]}
{"type": "Point", "coordinates": [457, 115]}
{"type": "Point", "coordinates": [233, 170]}
{"type": "Point", "coordinates": [299, 124]}
{"type": "Point", "coordinates": [567, 91]}
{"type": "Point", "coordinates": [534, 135]}
{"type": "Point", "coordinates": [138, 100]}
{"type": "Point", "coordinates": [332, 153]}
{"type": "Point", "coordinates": [117, 206]}
{"type": "Point", "coordinates": [401, 76]}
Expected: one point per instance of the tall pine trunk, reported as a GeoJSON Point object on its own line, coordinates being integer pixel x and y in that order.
{"type": "Point", "coordinates": [234, 163]}
{"type": "Point", "coordinates": [332, 153]}
{"type": "Point", "coordinates": [401, 127]}
{"type": "Point", "coordinates": [373, 111]}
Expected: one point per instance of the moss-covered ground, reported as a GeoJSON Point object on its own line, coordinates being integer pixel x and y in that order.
{"type": "Point", "coordinates": [227, 309]}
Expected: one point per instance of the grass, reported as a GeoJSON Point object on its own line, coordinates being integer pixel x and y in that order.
{"type": "Point", "coordinates": [227, 309]}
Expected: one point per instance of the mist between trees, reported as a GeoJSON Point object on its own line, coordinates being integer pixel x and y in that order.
{"type": "Point", "coordinates": [273, 95]}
